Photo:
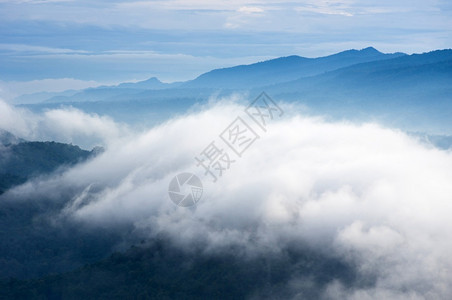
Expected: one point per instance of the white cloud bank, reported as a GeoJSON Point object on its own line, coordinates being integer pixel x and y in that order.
{"type": "Point", "coordinates": [66, 125]}
{"type": "Point", "coordinates": [371, 195]}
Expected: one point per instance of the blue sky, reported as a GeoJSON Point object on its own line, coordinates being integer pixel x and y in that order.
{"type": "Point", "coordinates": [58, 44]}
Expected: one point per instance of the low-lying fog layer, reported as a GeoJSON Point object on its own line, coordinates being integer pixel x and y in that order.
{"type": "Point", "coordinates": [369, 195]}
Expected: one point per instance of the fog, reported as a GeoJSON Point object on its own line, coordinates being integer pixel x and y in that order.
{"type": "Point", "coordinates": [66, 125]}
{"type": "Point", "coordinates": [372, 196]}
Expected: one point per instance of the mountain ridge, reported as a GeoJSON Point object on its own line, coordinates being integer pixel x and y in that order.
{"type": "Point", "coordinates": [407, 90]}
{"type": "Point", "coordinates": [21, 160]}
{"type": "Point", "coordinates": [285, 68]}
{"type": "Point", "coordinates": [279, 69]}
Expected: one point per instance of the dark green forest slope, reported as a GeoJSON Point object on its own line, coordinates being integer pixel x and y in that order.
{"type": "Point", "coordinates": [21, 160]}
{"type": "Point", "coordinates": [161, 271]}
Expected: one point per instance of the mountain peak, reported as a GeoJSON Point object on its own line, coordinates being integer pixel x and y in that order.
{"type": "Point", "coordinates": [151, 83]}
{"type": "Point", "coordinates": [152, 80]}
{"type": "Point", "coordinates": [365, 52]}
{"type": "Point", "coordinates": [370, 50]}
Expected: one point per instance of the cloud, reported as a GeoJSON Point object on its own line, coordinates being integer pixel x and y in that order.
{"type": "Point", "coordinates": [372, 196]}
{"type": "Point", "coordinates": [199, 15]}
{"type": "Point", "coordinates": [119, 63]}
{"type": "Point", "coordinates": [328, 7]}
{"type": "Point", "coordinates": [323, 10]}
{"type": "Point", "coordinates": [11, 89]}
{"type": "Point", "coordinates": [67, 125]}
{"type": "Point", "coordinates": [250, 9]}
{"type": "Point", "coordinates": [37, 49]}
{"type": "Point", "coordinates": [243, 17]}
{"type": "Point", "coordinates": [62, 34]}
{"type": "Point", "coordinates": [33, 1]}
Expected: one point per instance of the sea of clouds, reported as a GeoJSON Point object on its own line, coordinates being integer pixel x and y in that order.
{"type": "Point", "coordinates": [372, 196]}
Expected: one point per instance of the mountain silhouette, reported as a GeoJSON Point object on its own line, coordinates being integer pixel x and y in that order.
{"type": "Point", "coordinates": [284, 69]}
{"type": "Point", "coordinates": [411, 91]}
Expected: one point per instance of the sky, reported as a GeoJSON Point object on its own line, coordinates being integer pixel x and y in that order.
{"type": "Point", "coordinates": [59, 44]}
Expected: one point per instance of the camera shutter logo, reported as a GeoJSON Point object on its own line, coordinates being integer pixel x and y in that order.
{"type": "Point", "coordinates": [185, 189]}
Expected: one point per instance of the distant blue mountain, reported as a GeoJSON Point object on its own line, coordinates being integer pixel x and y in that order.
{"type": "Point", "coordinates": [409, 72]}
{"type": "Point", "coordinates": [112, 93]}
{"type": "Point", "coordinates": [43, 96]}
{"type": "Point", "coordinates": [152, 83]}
{"type": "Point", "coordinates": [284, 69]}
{"type": "Point", "coordinates": [411, 89]}
{"type": "Point", "coordinates": [406, 89]}
{"type": "Point", "coordinates": [241, 77]}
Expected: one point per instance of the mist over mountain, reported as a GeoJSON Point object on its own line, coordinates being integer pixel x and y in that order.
{"type": "Point", "coordinates": [423, 72]}
{"type": "Point", "coordinates": [43, 96]}
{"type": "Point", "coordinates": [150, 84]}
{"type": "Point", "coordinates": [7, 138]}
{"type": "Point", "coordinates": [329, 203]}
{"type": "Point", "coordinates": [407, 91]}
{"type": "Point", "coordinates": [31, 243]}
{"type": "Point", "coordinates": [243, 77]}
{"type": "Point", "coordinates": [284, 69]}
{"type": "Point", "coordinates": [412, 92]}
{"type": "Point", "coordinates": [109, 93]}
{"type": "Point", "coordinates": [22, 160]}
{"type": "Point", "coordinates": [255, 150]}
{"type": "Point", "coordinates": [319, 208]}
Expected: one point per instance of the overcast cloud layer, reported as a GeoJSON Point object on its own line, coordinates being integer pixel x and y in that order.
{"type": "Point", "coordinates": [369, 195]}
{"type": "Point", "coordinates": [112, 41]}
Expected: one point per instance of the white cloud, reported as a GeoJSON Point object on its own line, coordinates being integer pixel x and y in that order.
{"type": "Point", "coordinates": [373, 196]}
{"type": "Point", "coordinates": [323, 10]}
{"type": "Point", "coordinates": [199, 15]}
{"type": "Point", "coordinates": [67, 125]}
{"type": "Point", "coordinates": [38, 49]}
{"type": "Point", "coordinates": [245, 16]}
{"type": "Point", "coordinates": [33, 1]}
{"type": "Point", "coordinates": [327, 7]}
{"type": "Point", "coordinates": [250, 9]}
{"type": "Point", "coordinates": [262, 27]}
{"type": "Point", "coordinates": [187, 5]}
